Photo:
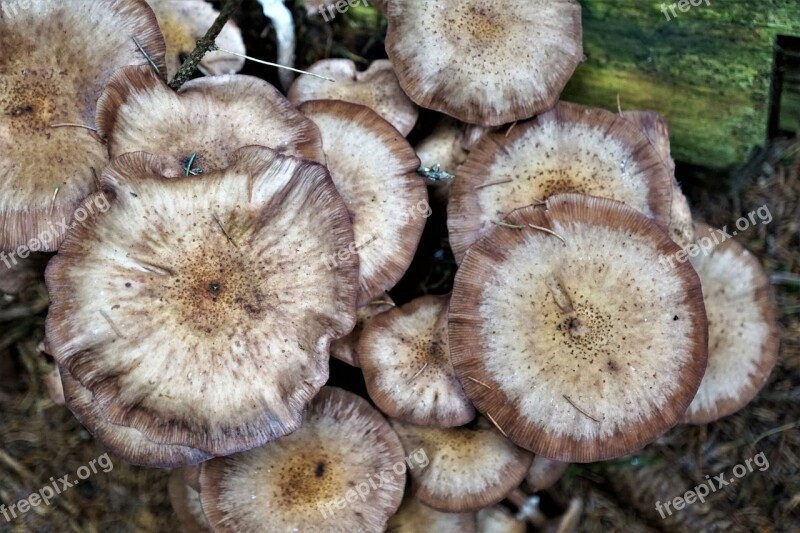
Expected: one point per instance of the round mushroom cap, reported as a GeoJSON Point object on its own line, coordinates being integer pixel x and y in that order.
{"type": "Point", "coordinates": [17, 274]}
{"type": "Point", "coordinates": [469, 467]}
{"type": "Point", "coordinates": [569, 149]}
{"type": "Point", "coordinates": [498, 519]}
{"type": "Point", "coordinates": [339, 472]}
{"type": "Point", "coordinates": [405, 357]}
{"type": "Point", "coordinates": [485, 63]}
{"type": "Point", "coordinates": [197, 130]}
{"type": "Point", "coordinates": [414, 516]}
{"type": "Point", "coordinates": [198, 311]}
{"type": "Point", "coordinates": [443, 147]}
{"type": "Point", "coordinates": [184, 22]}
{"type": "Point", "coordinates": [375, 170]}
{"type": "Point", "coordinates": [346, 348]}
{"type": "Point", "coordinates": [186, 503]}
{"type": "Point", "coordinates": [544, 473]}
{"type": "Point", "coordinates": [569, 331]}
{"type": "Point", "coordinates": [56, 58]}
{"type": "Point", "coordinates": [377, 88]}
{"type": "Point", "coordinates": [743, 331]}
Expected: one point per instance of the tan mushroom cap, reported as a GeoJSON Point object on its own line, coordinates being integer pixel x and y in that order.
{"type": "Point", "coordinates": [414, 517]}
{"type": "Point", "coordinates": [17, 274]}
{"type": "Point", "coordinates": [377, 88]}
{"type": "Point", "coordinates": [486, 63]}
{"type": "Point", "coordinates": [569, 149]}
{"type": "Point", "coordinates": [184, 22]}
{"type": "Point", "coordinates": [583, 349]}
{"type": "Point", "coordinates": [186, 503]}
{"type": "Point", "coordinates": [346, 348]}
{"type": "Point", "coordinates": [129, 444]}
{"type": "Point", "coordinates": [469, 468]}
{"type": "Point", "coordinates": [743, 331]}
{"type": "Point", "coordinates": [443, 147]}
{"type": "Point", "coordinates": [56, 58]}
{"type": "Point", "coordinates": [405, 357]}
{"type": "Point", "coordinates": [498, 519]}
{"type": "Point", "coordinates": [197, 310]}
{"type": "Point", "coordinates": [336, 473]}
{"type": "Point", "coordinates": [544, 473]}
{"type": "Point", "coordinates": [210, 117]}
{"type": "Point", "coordinates": [374, 169]}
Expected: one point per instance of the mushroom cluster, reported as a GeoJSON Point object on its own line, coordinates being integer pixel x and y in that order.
{"type": "Point", "coordinates": [217, 244]}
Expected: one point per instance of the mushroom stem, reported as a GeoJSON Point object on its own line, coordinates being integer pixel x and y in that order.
{"type": "Point", "coordinates": [204, 45]}
{"type": "Point", "coordinates": [527, 508]}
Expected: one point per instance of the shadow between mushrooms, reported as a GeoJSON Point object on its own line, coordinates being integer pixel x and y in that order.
{"type": "Point", "coordinates": [196, 310]}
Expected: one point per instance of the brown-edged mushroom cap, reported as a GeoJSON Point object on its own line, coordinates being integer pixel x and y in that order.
{"type": "Point", "coordinates": [196, 310]}
{"type": "Point", "coordinates": [498, 519]}
{"type": "Point", "coordinates": [338, 472]}
{"type": "Point", "coordinates": [184, 22]}
{"type": "Point", "coordinates": [568, 331]}
{"type": "Point", "coordinates": [374, 169]}
{"type": "Point", "coordinates": [469, 467]}
{"type": "Point", "coordinates": [186, 503]}
{"type": "Point", "coordinates": [414, 516]}
{"type": "Point", "coordinates": [485, 63]}
{"type": "Point", "coordinates": [376, 88]}
{"type": "Point", "coordinates": [405, 357]}
{"type": "Point", "coordinates": [197, 129]}
{"type": "Point", "coordinates": [346, 348]}
{"type": "Point", "coordinates": [56, 58]}
{"type": "Point", "coordinates": [743, 332]}
{"type": "Point", "coordinates": [568, 149]}
{"type": "Point", "coordinates": [16, 273]}
{"type": "Point", "coordinates": [544, 473]}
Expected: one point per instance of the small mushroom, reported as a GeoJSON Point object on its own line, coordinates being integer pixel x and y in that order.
{"type": "Point", "coordinates": [376, 88]}
{"type": "Point", "coordinates": [486, 63]}
{"type": "Point", "coordinates": [544, 473]}
{"type": "Point", "coordinates": [414, 516]}
{"type": "Point", "coordinates": [498, 519]}
{"type": "Point", "coordinates": [338, 472]}
{"type": "Point", "coordinates": [346, 348]}
{"type": "Point", "coordinates": [186, 503]}
{"type": "Point", "coordinates": [405, 357]}
{"type": "Point", "coordinates": [567, 331]}
{"type": "Point", "coordinates": [470, 467]}
{"type": "Point", "coordinates": [196, 130]}
{"type": "Point", "coordinates": [743, 331]}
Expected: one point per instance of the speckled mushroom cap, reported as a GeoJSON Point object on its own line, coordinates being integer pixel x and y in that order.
{"type": "Point", "coordinates": [544, 473]}
{"type": "Point", "coordinates": [569, 149]}
{"type": "Point", "coordinates": [209, 117]}
{"type": "Point", "coordinates": [346, 348]}
{"type": "Point", "coordinates": [16, 274]}
{"type": "Point", "coordinates": [414, 516]}
{"type": "Point", "coordinates": [125, 442]}
{"type": "Point", "coordinates": [184, 22]}
{"type": "Point", "coordinates": [485, 63]}
{"type": "Point", "coordinates": [498, 519]}
{"type": "Point", "coordinates": [336, 473]}
{"type": "Point", "coordinates": [186, 504]}
{"type": "Point", "coordinates": [374, 169]}
{"type": "Point", "coordinates": [469, 467]}
{"type": "Point", "coordinates": [405, 357]}
{"type": "Point", "coordinates": [376, 88]}
{"type": "Point", "coordinates": [581, 349]}
{"type": "Point", "coordinates": [743, 332]}
{"type": "Point", "coordinates": [45, 84]}
{"type": "Point", "coordinates": [197, 311]}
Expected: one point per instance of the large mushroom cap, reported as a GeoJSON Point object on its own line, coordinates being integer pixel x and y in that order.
{"type": "Point", "coordinates": [376, 88]}
{"type": "Point", "coordinates": [743, 332]}
{"type": "Point", "coordinates": [339, 472]}
{"type": "Point", "coordinates": [569, 149]}
{"type": "Point", "coordinates": [414, 517]}
{"type": "Point", "coordinates": [56, 57]}
{"type": "Point", "coordinates": [197, 130]}
{"type": "Point", "coordinates": [405, 357]}
{"type": "Point", "coordinates": [567, 329]}
{"type": "Point", "coordinates": [374, 169]}
{"type": "Point", "coordinates": [198, 311]}
{"type": "Point", "coordinates": [469, 467]}
{"type": "Point", "coordinates": [485, 63]}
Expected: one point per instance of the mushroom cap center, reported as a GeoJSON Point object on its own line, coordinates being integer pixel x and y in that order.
{"type": "Point", "coordinates": [312, 475]}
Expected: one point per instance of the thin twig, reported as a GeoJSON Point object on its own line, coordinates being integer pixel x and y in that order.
{"type": "Point", "coordinates": [499, 182]}
{"type": "Point", "coordinates": [579, 409]}
{"type": "Point", "coordinates": [270, 64]}
{"type": "Point", "coordinates": [189, 164]}
{"type": "Point", "coordinates": [479, 382]}
{"type": "Point", "coordinates": [72, 125]}
{"type": "Point", "coordinates": [420, 371]}
{"type": "Point", "coordinates": [532, 226]}
{"type": "Point", "coordinates": [224, 232]}
{"type": "Point", "coordinates": [496, 425]}
{"type": "Point", "coordinates": [510, 128]}
{"type": "Point", "coordinates": [147, 57]}
{"type": "Point", "coordinates": [111, 323]}
{"type": "Point", "coordinates": [53, 200]}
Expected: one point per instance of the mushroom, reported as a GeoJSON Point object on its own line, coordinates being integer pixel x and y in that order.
{"type": "Point", "coordinates": [405, 357]}
{"type": "Point", "coordinates": [196, 310]}
{"type": "Point", "coordinates": [346, 348]}
{"type": "Point", "coordinates": [376, 88]}
{"type": "Point", "coordinates": [544, 473]}
{"type": "Point", "coordinates": [566, 330]}
{"type": "Point", "coordinates": [442, 152]}
{"type": "Point", "coordinates": [184, 22]}
{"type": "Point", "coordinates": [47, 105]}
{"type": "Point", "coordinates": [374, 169]}
{"type": "Point", "coordinates": [186, 503]}
{"type": "Point", "coordinates": [498, 519]}
{"type": "Point", "coordinates": [414, 516]}
{"type": "Point", "coordinates": [338, 472]}
{"type": "Point", "coordinates": [196, 130]}
{"type": "Point", "coordinates": [17, 274]}
{"type": "Point", "coordinates": [485, 63]}
{"type": "Point", "coordinates": [470, 467]}
{"type": "Point", "coordinates": [571, 148]}
{"type": "Point", "coordinates": [743, 331]}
